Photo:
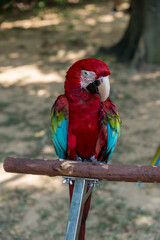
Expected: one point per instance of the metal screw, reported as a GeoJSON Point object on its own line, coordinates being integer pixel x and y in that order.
{"type": "Point", "coordinates": [64, 181]}
{"type": "Point", "coordinates": [95, 183]}
{"type": "Point", "coordinates": [68, 181]}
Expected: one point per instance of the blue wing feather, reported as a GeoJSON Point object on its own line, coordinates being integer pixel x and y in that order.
{"type": "Point", "coordinates": [156, 164]}
{"type": "Point", "coordinates": [109, 130]}
{"type": "Point", "coordinates": [59, 124]}
{"type": "Point", "coordinates": [56, 145]}
{"type": "Point", "coordinates": [155, 161]}
{"type": "Point", "coordinates": [60, 139]}
{"type": "Point", "coordinates": [112, 137]}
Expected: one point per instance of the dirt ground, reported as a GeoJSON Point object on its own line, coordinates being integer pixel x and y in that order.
{"type": "Point", "coordinates": [35, 52]}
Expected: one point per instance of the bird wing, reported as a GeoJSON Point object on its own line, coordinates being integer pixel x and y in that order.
{"type": "Point", "coordinates": [154, 162]}
{"type": "Point", "coordinates": [109, 129]}
{"type": "Point", "coordinates": [59, 125]}
{"type": "Point", "coordinates": [156, 158]}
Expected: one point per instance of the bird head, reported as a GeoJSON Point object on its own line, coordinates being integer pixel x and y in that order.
{"type": "Point", "coordinates": [91, 75]}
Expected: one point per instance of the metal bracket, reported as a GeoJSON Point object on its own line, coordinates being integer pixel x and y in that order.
{"type": "Point", "coordinates": [80, 195]}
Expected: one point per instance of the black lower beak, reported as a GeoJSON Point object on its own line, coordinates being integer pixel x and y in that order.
{"type": "Point", "coordinates": [93, 87]}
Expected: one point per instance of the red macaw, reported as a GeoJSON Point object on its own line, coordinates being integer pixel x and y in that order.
{"type": "Point", "coordinates": [85, 123]}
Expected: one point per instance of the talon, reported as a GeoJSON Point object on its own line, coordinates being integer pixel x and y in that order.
{"type": "Point", "coordinates": [85, 160]}
{"type": "Point", "coordinates": [93, 159]}
{"type": "Point", "coordinates": [103, 162]}
{"type": "Point", "coordinates": [79, 159]}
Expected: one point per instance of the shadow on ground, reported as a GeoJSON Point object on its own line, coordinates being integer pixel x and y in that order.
{"type": "Point", "coordinates": [36, 51]}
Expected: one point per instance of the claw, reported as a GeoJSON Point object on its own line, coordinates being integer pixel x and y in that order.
{"type": "Point", "coordinates": [93, 159]}
{"type": "Point", "coordinates": [85, 160]}
{"type": "Point", "coordinates": [104, 162]}
{"type": "Point", "coordinates": [79, 159]}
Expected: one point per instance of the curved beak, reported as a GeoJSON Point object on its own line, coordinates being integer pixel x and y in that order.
{"type": "Point", "coordinates": [104, 88]}
{"type": "Point", "coordinates": [100, 86]}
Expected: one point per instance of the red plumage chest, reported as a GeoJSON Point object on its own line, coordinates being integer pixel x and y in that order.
{"type": "Point", "coordinates": [84, 125]}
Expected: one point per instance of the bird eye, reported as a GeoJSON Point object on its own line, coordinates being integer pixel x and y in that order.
{"type": "Point", "coordinates": [85, 73]}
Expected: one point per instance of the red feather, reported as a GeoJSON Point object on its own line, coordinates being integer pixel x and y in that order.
{"type": "Point", "coordinates": [84, 108]}
{"type": "Point", "coordinates": [87, 134]}
{"type": "Point", "coordinates": [84, 119]}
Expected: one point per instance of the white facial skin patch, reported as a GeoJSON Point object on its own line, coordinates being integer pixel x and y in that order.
{"type": "Point", "coordinates": [87, 77]}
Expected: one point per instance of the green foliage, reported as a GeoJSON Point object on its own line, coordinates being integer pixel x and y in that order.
{"type": "Point", "coordinates": [5, 3]}
{"type": "Point", "coordinates": [32, 4]}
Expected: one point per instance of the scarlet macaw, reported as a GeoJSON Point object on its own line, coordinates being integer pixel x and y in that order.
{"type": "Point", "coordinates": [85, 123]}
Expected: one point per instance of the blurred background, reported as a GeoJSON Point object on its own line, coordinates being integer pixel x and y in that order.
{"type": "Point", "coordinates": [39, 40]}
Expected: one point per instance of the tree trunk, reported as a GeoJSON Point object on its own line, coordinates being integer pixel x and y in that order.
{"type": "Point", "coordinates": [151, 33]}
{"type": "Point", "coordinates": [141, 38]}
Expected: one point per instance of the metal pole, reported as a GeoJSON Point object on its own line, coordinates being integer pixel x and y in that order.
{"type": "Point", "coordinates": [76, 209]}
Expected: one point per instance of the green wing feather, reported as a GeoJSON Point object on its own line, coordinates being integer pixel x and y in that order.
{"type": "Point", "coordinates": [59, 125]}
{"type": "Point", "coordinates": [115, 122]}
{"type": "Point", "coordinates": [111, 129]}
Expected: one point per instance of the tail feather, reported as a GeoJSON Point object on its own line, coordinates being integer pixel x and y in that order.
{"type": "Point", "coordinates": [82, 232]}
{"type": "Point", "coordinates": [85, 213]}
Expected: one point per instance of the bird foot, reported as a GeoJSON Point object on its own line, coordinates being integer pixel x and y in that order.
{"type": "Point", "coordinates": [103, 162]}
{"type": "Point", "coordinates": [93, 159]}
{"type": "Point", "coordinates": [85, 160]}
{"type": "Point", "coordinates": [78, 159]}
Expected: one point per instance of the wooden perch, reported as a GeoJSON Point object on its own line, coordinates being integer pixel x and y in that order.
{"type": "Point", "coordinates": [60, 167]}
